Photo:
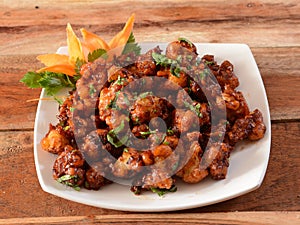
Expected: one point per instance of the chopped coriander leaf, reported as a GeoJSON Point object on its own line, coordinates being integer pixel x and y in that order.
{"type": "Point", "coordinates": [65, 179]}
{"type": "Point", "coordinates": [120, 80]}
{"type": "Point", "coordinates": [176, 71]}
{"type": "Point", "coordinates": [145, 94]}
{"type": "Point", "coordinates": [195, 108]}
{"type": "Point", "coordinates": [112, 136]}
{"type": "Point", "coordinates": [209, 62]}
{"type": "Point", "coordinates": [76, 188]}
{"type": "Point", "coordinates": [175, 166]}
{"type": "Point", "coordinates": [115, 142]}
{"type": "Point", "coordinates": [92, 56]}
{"type": "Point", "coordinates": [66, 128]}
{"type": "Point", "coordinates": [163, 191]}
{"type": "Point", "coordinates": [170, 132]}
{"type": "Point", "coordinates": [72, 109]}
{"type": "Point", "coordinates": [204, 73]}
{"type": "Point", "coordinates": [148, 132]}
{"type": "Point", "coordinates": [164, 61]}
{"type": "Point", "coordinates": [189, 57]}
{"type": "Point", "coordinates": [92, 90]}
{"type": "Point", "coordinates": [179, 58]}
{"type": "Point", "coordinates": [126, 100]}
{"type": "Point", "coordinates": [113, 103]}
{"type": "Point", "coordinates": [119, 128]}
{"type": "Point", "coordinates": [186, 41]}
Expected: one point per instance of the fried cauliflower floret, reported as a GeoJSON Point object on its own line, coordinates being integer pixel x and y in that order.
{"type": "Point", "coordinates": [217, 159]}
{"type": "Point", "coordinates": [68, 168]}
{"type": "Point", "coordinates": [192, 172]}
{"type": "Point", "coordinates": [182, 48]}
{"type": "Point", "coordinates": [149, 107]}
{"type": "Point", "coordinates": [158, 178]}
{"type": "Point", "coordinates": [94, 177]}
{"type": "Point", "coordinates": [250, 127]}
{"type": "Point", "coordinates": [128, 164]}
{"type": "Point", "coordinates": [184, 120]}
{"type": "Point", "coordinates": [236, 104]}
{"type": "Point", "coordinates": [55, 140]}
{"type": "Point", "coordinates": [226, 75]}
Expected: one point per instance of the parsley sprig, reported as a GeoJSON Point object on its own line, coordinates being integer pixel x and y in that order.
{"type": "Point", "coordinates": [52, 82]}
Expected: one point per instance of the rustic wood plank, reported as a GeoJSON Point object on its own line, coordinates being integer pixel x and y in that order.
{"type": "Point", "coordinates": [243, 218]}
{"type": "Point", "coordinates": [201, 21]}
{"type": "Point", "coordinates": [21, 195]}
{"type": "Point", "coordinates": [112, 11]}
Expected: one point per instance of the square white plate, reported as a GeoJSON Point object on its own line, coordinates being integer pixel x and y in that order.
{"type": "Point", "coordinates": [248, 162]}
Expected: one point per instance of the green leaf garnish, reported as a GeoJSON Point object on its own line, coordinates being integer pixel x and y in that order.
{"type": "Point", "coordinates": [195, 108]}
{"type": "Point", "coordinates": [65, 179]}
{"type": "Point", "coordinates": [144, 133]}
{"type": "Point", "coordinates": [163, 191]}
{"type": "Point", "coordinates": [92, 90]}
{"type": "Point", "coordinates": [132, 46]}
{"type": "Point", "coordinates": [164, 61]}
{"type": "Point", "coordinates": [112, 136]}
{"type": "Point", "coordinates": [113, 103]}
{"type": "Point", "coordinates": [186, 41]}
{"type": "Point", "coordinates": [52, 82]}
{"type": "Point", "coordinates": [145, 94]}
{"type": "Point", "coordinates": [92, 56]}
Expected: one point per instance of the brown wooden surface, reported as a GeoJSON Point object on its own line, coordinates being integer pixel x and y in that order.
{"type": "Point", "coordinates": [272, 30]}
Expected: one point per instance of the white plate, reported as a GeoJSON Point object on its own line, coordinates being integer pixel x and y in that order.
{"type": "Point", "coordinates": [248, 163]}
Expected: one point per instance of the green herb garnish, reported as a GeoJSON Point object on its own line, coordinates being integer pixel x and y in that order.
{"type": "Point", "coordinates": [120, 80]}
{"type": "Point", "coordinates": [144, 133]}
{"type": "Point", "coordinates": [97, 54]}
{"type": "Point", "coordinates": [164, 61]}
{"type": "Point", "coordinates": [145, 94]}
{"type": "Point", "coordinates": [112, 136]}
{"type": "Point", "coordinates": [132, 46]}
{"type": "Point", "coordinates": [65, 179]}
{"type": "Point", "coordinates": [186, 41]}
{"type": "Point", "coordinates": [52, 82]}
{"type": "Point", "coordinates": [195, 108]}
{"type": "Point", "coordinates": [113, 103]}
{"type": "Point", "coordinates": [162, 191]}
{"type": "Point", "coordinates": [92, 90]}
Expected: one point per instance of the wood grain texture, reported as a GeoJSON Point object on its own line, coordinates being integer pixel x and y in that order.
{"type": "Point", "coordinates": [279, 191]}
{"type": "Point", "coordinates": [242, 218]}
{"type": "Point", "coordinates": [256, 23]}
{"type": "Point", "coordinates": [270, 27]}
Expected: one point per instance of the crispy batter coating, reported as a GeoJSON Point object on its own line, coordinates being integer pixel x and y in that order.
{"type": "Point", "coordinates": [55, 140]}
{"type": "Point", "coordinates": [101, 110]}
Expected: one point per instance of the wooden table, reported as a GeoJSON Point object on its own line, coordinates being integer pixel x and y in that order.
{"type": "Point", "coordinates": [270, 27]}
